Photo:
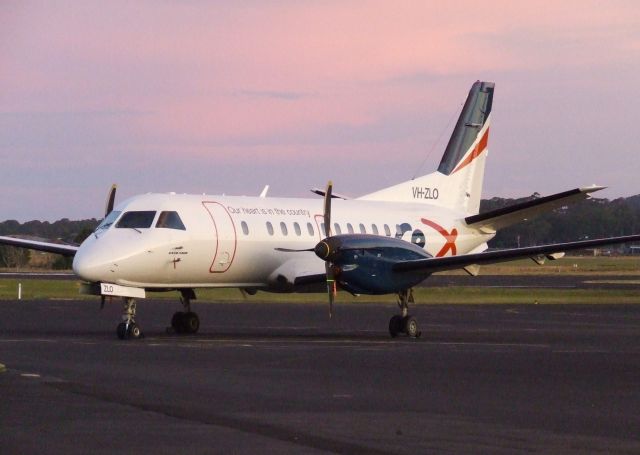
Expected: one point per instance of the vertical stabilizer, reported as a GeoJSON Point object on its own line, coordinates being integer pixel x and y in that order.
{"type": "Point", "coordinates": [457, 184]}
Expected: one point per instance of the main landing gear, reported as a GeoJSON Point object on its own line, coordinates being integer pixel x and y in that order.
{"type": "Point", "coordinates": [186, 321]}
{"type": "Point", "coordinates": [128, 327]}
{"type": "Point", "coordinates": [404, 323]}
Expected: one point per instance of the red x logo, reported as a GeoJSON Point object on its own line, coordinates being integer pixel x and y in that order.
{"type": "Point", "coordinates": [450, 238]}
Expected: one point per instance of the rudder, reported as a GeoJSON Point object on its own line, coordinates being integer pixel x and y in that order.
{"type": "Point", "coordinates": [457, 184]}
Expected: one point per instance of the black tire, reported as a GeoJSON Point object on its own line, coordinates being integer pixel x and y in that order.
{"type": "Point", "coordinates": [177, 322]}
{"type": "Point", "coordinates": [395, 325]}
{"type": "Point", "coordinates": [191, 322]}
{"type": "Point", "coordinates": [122, 330]}
{"type": "Point", "coordinates": [134, 331]}
{"type": "Point", "coordinates": [411, 328]}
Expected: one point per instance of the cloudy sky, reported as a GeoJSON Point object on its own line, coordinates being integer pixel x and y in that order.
{"type": "Point", "coordinates": [226, 97]}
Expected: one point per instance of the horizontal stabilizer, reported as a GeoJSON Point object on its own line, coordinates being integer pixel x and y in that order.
{"type": "Point", "coordinates": [490, 222]}
{"type": "Point", "coordinates": [439, 264]}
{"type": "Point", "coordinates": [65, 250]}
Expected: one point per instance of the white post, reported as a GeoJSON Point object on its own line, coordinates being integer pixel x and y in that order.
{"type": "Point", "coordinates": [19, 291]}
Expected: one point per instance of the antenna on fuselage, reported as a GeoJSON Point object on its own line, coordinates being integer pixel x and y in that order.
{"type": "Point", "coordinates": [437, 141]}
{"type": "Point", "coordinates": [264, 192]}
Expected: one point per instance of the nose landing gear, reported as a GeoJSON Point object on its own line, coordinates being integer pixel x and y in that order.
{"type": "Point", "coordinates": [128, 327]}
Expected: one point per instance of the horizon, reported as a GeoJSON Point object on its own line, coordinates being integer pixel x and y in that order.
{"type": "Point", "coordinates": [97, 219]}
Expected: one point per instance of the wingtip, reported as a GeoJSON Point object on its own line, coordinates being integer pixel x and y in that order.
{"type": "Point", "coordinates": [592, 188]}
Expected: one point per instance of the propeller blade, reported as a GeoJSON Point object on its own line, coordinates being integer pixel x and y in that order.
{"type": "Point", "coordinates": [331, 281]}
{"type": "Point", "coordinates": [331, 287]}
{"type": "Point", "coordinates": [111, 198]}
{"type": "Point", "coordinates": [291, 250]}
{"type": "Point", "coordinates": [327, 209]}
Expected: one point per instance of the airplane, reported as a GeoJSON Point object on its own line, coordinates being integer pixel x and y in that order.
{"type": "Point", "coordinates": [386, 242]}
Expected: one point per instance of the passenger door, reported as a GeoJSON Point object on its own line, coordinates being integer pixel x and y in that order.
{"type": "Point", "coordinates": [225, 235]}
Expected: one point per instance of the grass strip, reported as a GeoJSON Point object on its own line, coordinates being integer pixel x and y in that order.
{"type": "Point", "coordinates": [60, 289]}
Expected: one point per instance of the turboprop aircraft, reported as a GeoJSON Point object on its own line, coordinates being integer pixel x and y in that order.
{"type": "Point", "coordinates": [385, 242]}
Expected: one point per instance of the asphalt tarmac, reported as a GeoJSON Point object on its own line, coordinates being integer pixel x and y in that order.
{"type": "Point", "coordinates": [282, 378]}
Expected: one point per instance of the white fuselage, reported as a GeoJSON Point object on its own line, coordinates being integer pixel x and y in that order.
{"type": "Point", "coordinates": [232, 241]}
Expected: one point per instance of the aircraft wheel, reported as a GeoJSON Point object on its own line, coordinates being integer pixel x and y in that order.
{"type": "Point", "coordinates": [122, 330]}
{"type": "Point", "coordinates": [411, 327]}
{"type": "Point", "coordinates": [395, 325]}
{"type": "Point", "coordinates": [177, 322]}
{"type": "Point", "coordinates": [190, 322]}
{"type": "Point", "coordinates": [134, 331]}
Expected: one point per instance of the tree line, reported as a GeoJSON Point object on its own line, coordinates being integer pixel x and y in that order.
{"type": "Point", "coordinates": [62, 231]}
{"type": "Point", "coordinates": [589, 219]}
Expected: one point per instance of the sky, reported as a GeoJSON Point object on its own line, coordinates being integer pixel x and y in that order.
{"type": "Point", "coordinates": [227, 97]}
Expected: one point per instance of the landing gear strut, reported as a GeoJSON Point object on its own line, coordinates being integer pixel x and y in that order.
{"type": "Point", "coordinates": [404, 322]}
{"type": "Point", "coordinates": [128, 327]}
{"type": "Point", "coordinates": [186, 321]}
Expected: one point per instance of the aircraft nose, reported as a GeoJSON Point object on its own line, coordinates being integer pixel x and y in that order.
{"type": "Point", "coordinates": [87, 267]}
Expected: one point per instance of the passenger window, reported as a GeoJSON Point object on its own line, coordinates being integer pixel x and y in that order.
{"type": "Point", "coordinates": [245, 228]}
{"type": "Point", "coordinates": [374, 229]}
{"type": "Point", "coordinates": [350, 228]}
{"type": "Point", "coordinates": [337, 229]}
{"type": "Point", "coordinates": [310, 229]}
{"type": "Point", "coordinates": [170, 220]}
{"type": "Point", "coordinates": [296, 227]}
{"type": "Point", "coordinates": [362, 229]}
{"type": "Point", "coordinates": [269, 228]}
{"type": "Point", "coordinates": [387, 231]}
{"type": "Point", "coordinates": [283, 228]}
{"type": "Point", "coordinates": [136, 220]}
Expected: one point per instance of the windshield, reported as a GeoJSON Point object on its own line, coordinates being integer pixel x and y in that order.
{"type": "Point", "coordinates": [137, 219]}
{"type": "Point", "coordinates": [170, 220]}
{"type": "Point", "coordinates": [108, 221]}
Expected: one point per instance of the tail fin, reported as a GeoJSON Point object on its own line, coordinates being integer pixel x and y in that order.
{"type": "Point", "coordinates": [458, 182]}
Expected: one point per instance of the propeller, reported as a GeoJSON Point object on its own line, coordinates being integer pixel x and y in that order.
{"type": "Point", "coordinates": [111, 198]}
{"type": "Point", "coordinates": [331, 281]}
{"type": "Point", "coordinates": [323, 249]}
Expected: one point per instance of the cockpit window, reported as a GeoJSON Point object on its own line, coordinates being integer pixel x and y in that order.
{"type": "Point", "coordinates": [170, 220]}
{"type": "Point", "coordinates": [108, 221]}
{"type": "Point", "coordinates": [136, 219]}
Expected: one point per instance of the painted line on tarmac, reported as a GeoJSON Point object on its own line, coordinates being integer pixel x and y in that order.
{"type": "Point", "coordinates": [28, 340]}
{"type": "Point", "coordinates": [525, 286]}
{"type": "Point", "coordinates": [629, 282]}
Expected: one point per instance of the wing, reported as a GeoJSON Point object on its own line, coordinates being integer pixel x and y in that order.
{"type": "Point", "coordinates": [65, 250]}
{"type": "Point", "coordinates": [496, 219]}
{"type": "Point", "coordinates": [491, 257]}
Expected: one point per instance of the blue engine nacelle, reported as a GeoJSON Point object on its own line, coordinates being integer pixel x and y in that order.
{"type": "Point", "coordinates": [363, 263]}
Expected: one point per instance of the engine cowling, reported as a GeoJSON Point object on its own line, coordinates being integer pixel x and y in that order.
{"type": "Point", "coordinates": [363, 263]}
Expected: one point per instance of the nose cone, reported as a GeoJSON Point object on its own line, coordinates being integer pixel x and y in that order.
{"type": "Point", "coordinates": [90, 263]}
{"type": "Point", "coordinates": [86, 268]}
